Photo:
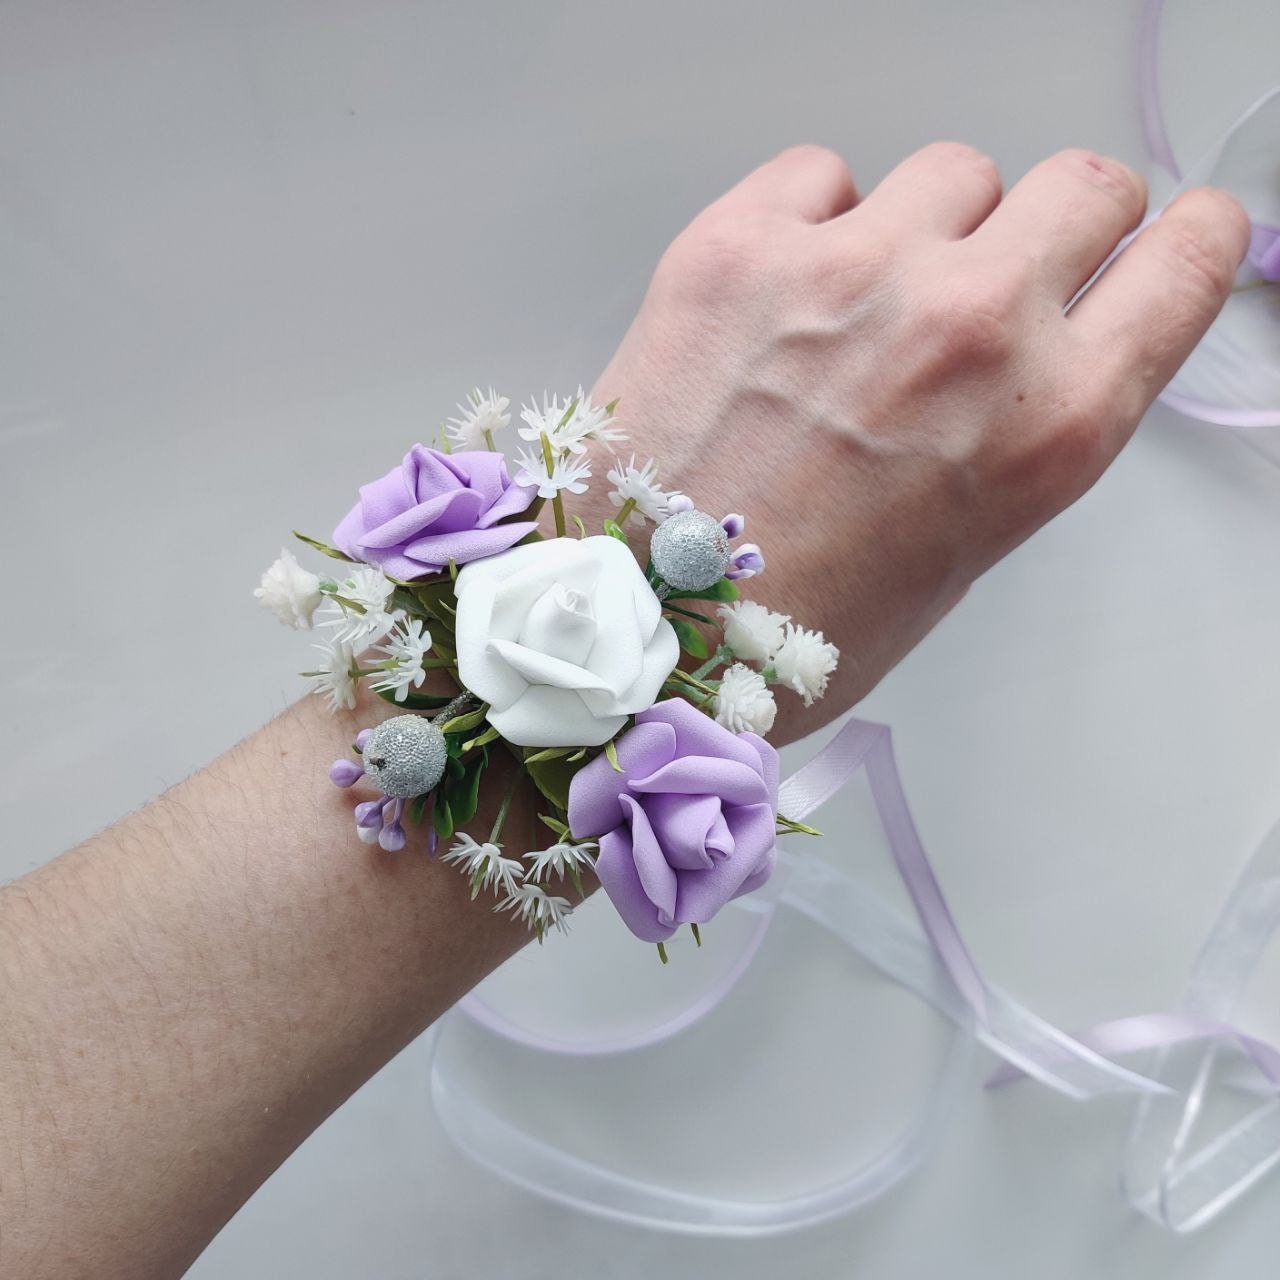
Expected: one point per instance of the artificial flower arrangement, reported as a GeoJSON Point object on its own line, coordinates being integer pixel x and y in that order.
{"type": "Point", "coordinates": [563, 652]}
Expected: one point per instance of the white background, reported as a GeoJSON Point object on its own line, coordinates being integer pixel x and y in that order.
{"type": "Point", "coordinates": [247, 247]}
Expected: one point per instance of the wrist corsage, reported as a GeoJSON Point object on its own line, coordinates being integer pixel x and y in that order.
{"type": "Point", "coordinates": [563, 652]}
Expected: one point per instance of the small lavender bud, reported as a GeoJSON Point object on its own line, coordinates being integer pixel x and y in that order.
{"type": "Point", "coordinates": [733, 524]}
{"type": "Point", "coordinates": [369, 814]}
{"type": "Point", "coordinates": [345, 773]}
{"type": "Point", "coordinates": [392, 837]}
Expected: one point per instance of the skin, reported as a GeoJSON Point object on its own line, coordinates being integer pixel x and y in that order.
{"type": "Point", "coordinates": [183, 998]}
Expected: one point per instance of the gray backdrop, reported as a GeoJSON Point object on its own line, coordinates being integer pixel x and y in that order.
{"type": "Point", "coordinates": [242, 244]}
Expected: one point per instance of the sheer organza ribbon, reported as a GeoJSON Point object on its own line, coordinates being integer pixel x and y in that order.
{"type": "Point", "coordinates": [1264, 246]}
{"type": "Point", "coordinates": [1166, 1178]}
{"type": "Point", "coordinates": [1170, 1173]}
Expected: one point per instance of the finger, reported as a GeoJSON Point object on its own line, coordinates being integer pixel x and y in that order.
{"type": "Point", "coordinates": [946, 189]}
{"type": "Point", "coordinates": [1147, 311]}
{"type": "Point", "coordinates": [1066, 215]}
{"type": "Point", "coordinates": [811, 182]}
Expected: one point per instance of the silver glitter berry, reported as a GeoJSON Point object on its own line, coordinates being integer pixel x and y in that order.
{"type": "Point", "coordinates": [690, 551]}
{"type": "Point", "coordinates": [404, 756]}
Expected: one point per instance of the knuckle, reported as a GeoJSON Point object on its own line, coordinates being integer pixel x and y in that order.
{"type": "Point", "coordinates": [974, 318]}
{"type": "Point", "coordinates": [957, 154]}
{"type": "Point", "coordinates": [1104, 174]}
{"type": "Point", "coordinates": [811, 154]}
{"type": "Point", "coordinates": [719, 254]}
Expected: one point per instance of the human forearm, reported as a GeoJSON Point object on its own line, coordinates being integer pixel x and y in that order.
{"type": "Point", "coordinates": [186, 996]}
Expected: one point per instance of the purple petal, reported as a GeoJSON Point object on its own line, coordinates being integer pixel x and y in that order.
{"type": "Point", "coordinates": [457, 509]}
{"type": "Point", "coordinates": [698, 734]}
{"type": "Point", "coordinates": [691, 829]}
{"type": "Point", "coordinates": [769, 763]}
{"type": "Point", "coordinates": [733, 524]}
{"type": "Point", "coordinates": [728, 780]}
{"type": "Point", "coordinates": [596, 788]}
{"type": "Point", "coordinates": [616, 871]}
{"type": "Point", "coordinates": [702, 893]}
{"type": "Point", "coordinates": [462, 545]}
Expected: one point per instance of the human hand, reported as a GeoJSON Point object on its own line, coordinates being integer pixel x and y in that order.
{"type": "Point", "coordinates": [892, 389]}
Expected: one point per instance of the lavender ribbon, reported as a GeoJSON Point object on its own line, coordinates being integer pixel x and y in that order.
{"type": "Point", "coordinates": [1264, 245]}
{"type": "Point", "coordinates": [1169, 1174]}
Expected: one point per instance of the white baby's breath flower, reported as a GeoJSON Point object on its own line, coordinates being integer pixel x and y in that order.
{"type": "Point", "coordinates": [406, 646]}
{"type": "Point", "coordinates": [567, 472]}
{"type": "Point", "coordinates": [291, 592]}
{"type": "Point", "coordinates": [639, 485]}
{"type": "Point", "coordinates": [483, 416]}
{"type": "Point", "coordinates": [805, 661]}
{"type": "Point", "coordinates": [745, 702]}
{"type": "Point", "coordinates": [569, 432]}
{"type": "Point", "coordinates": [484, 865]}
{"type": "Point", "coordinates": [537, 908]}
{"type": "Point", "coordinates": [333, 677]}
{"type": "Point", "coordinates": [370, 589]}
{"type": "Point", "coordinates": [753, 632]}
{"type": "Point", "coordinates": [561, 857]}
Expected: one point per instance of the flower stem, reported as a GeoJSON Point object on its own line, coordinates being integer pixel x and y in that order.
{"type": "Point", "coordinates": [662, 953]}
{"type": "Point", "coordinates": [557, 503]}
{"type": "Point", "coordinates": [796, 828]}
{"type": "Point", "coordinates": [488, 440]}
{"type": "Point", "coordinates": [624, 511]}
{"type": "Point", "coordinates": [687, 613]}
{"type": "Point", "coordinates": [692, 681]}
{"type": "Point", "coordinates": [504, 808]}
{"type": "Point", "coordinates": [722, 654]}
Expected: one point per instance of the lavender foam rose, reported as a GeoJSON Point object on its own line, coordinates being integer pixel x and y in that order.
{"type": "Point", "coordinates": [688, 823]}
{"type": "Point", "coordinates": [433, 508]}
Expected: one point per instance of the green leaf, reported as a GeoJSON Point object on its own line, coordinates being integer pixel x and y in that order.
{"type": "Point", "coordinates": [611, 750]}
{"type": "Point", "coordinates": [414, 701]}
{"type": "Point", "coordinates": [612, 406]}
{"type": "Point", "coordinates": [324, 548]}
{"type": "Point", "coordinates": [487, 736]}
{"type": "Point", "coordinates": [442, 817]}
{"type": "Point", "coordinates": [554, 824]}
{"type": "Point", "coordinates": [414, 810]}
{"type": "Point", "coordinates": [552, 778]}
{"type": "Point", "coordinates": [436, 597]}
{"type": "Point", "coordinates": [550, 753]}
{"type": "Point", "coordinates": [614, 530]}
{"type": "Point", "coordinates": [581, 524]}
{"type": "Point", "coordinates": [692, 641]}
{"type": "Point", "coordinates": [464, 797]}
{"type": "Point", "coordinates": [724, 591]}
{"type": "Point", "coordinates": [464, 723]}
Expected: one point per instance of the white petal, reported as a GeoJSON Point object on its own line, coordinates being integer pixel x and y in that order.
{"type": "Point", "coordinates": [657, 663]}
{"type": "Point", "coordinates": [561, 624]}
{"type": "Point", "coordinates": [480, 669]}
{"type": "Point", "coordinates": [547, 717]}
{"type": "Point", "coordinates": [542, 668]}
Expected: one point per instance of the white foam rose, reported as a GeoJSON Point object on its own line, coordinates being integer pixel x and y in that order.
{"type": "Point", "coordinates": [563, 639]}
